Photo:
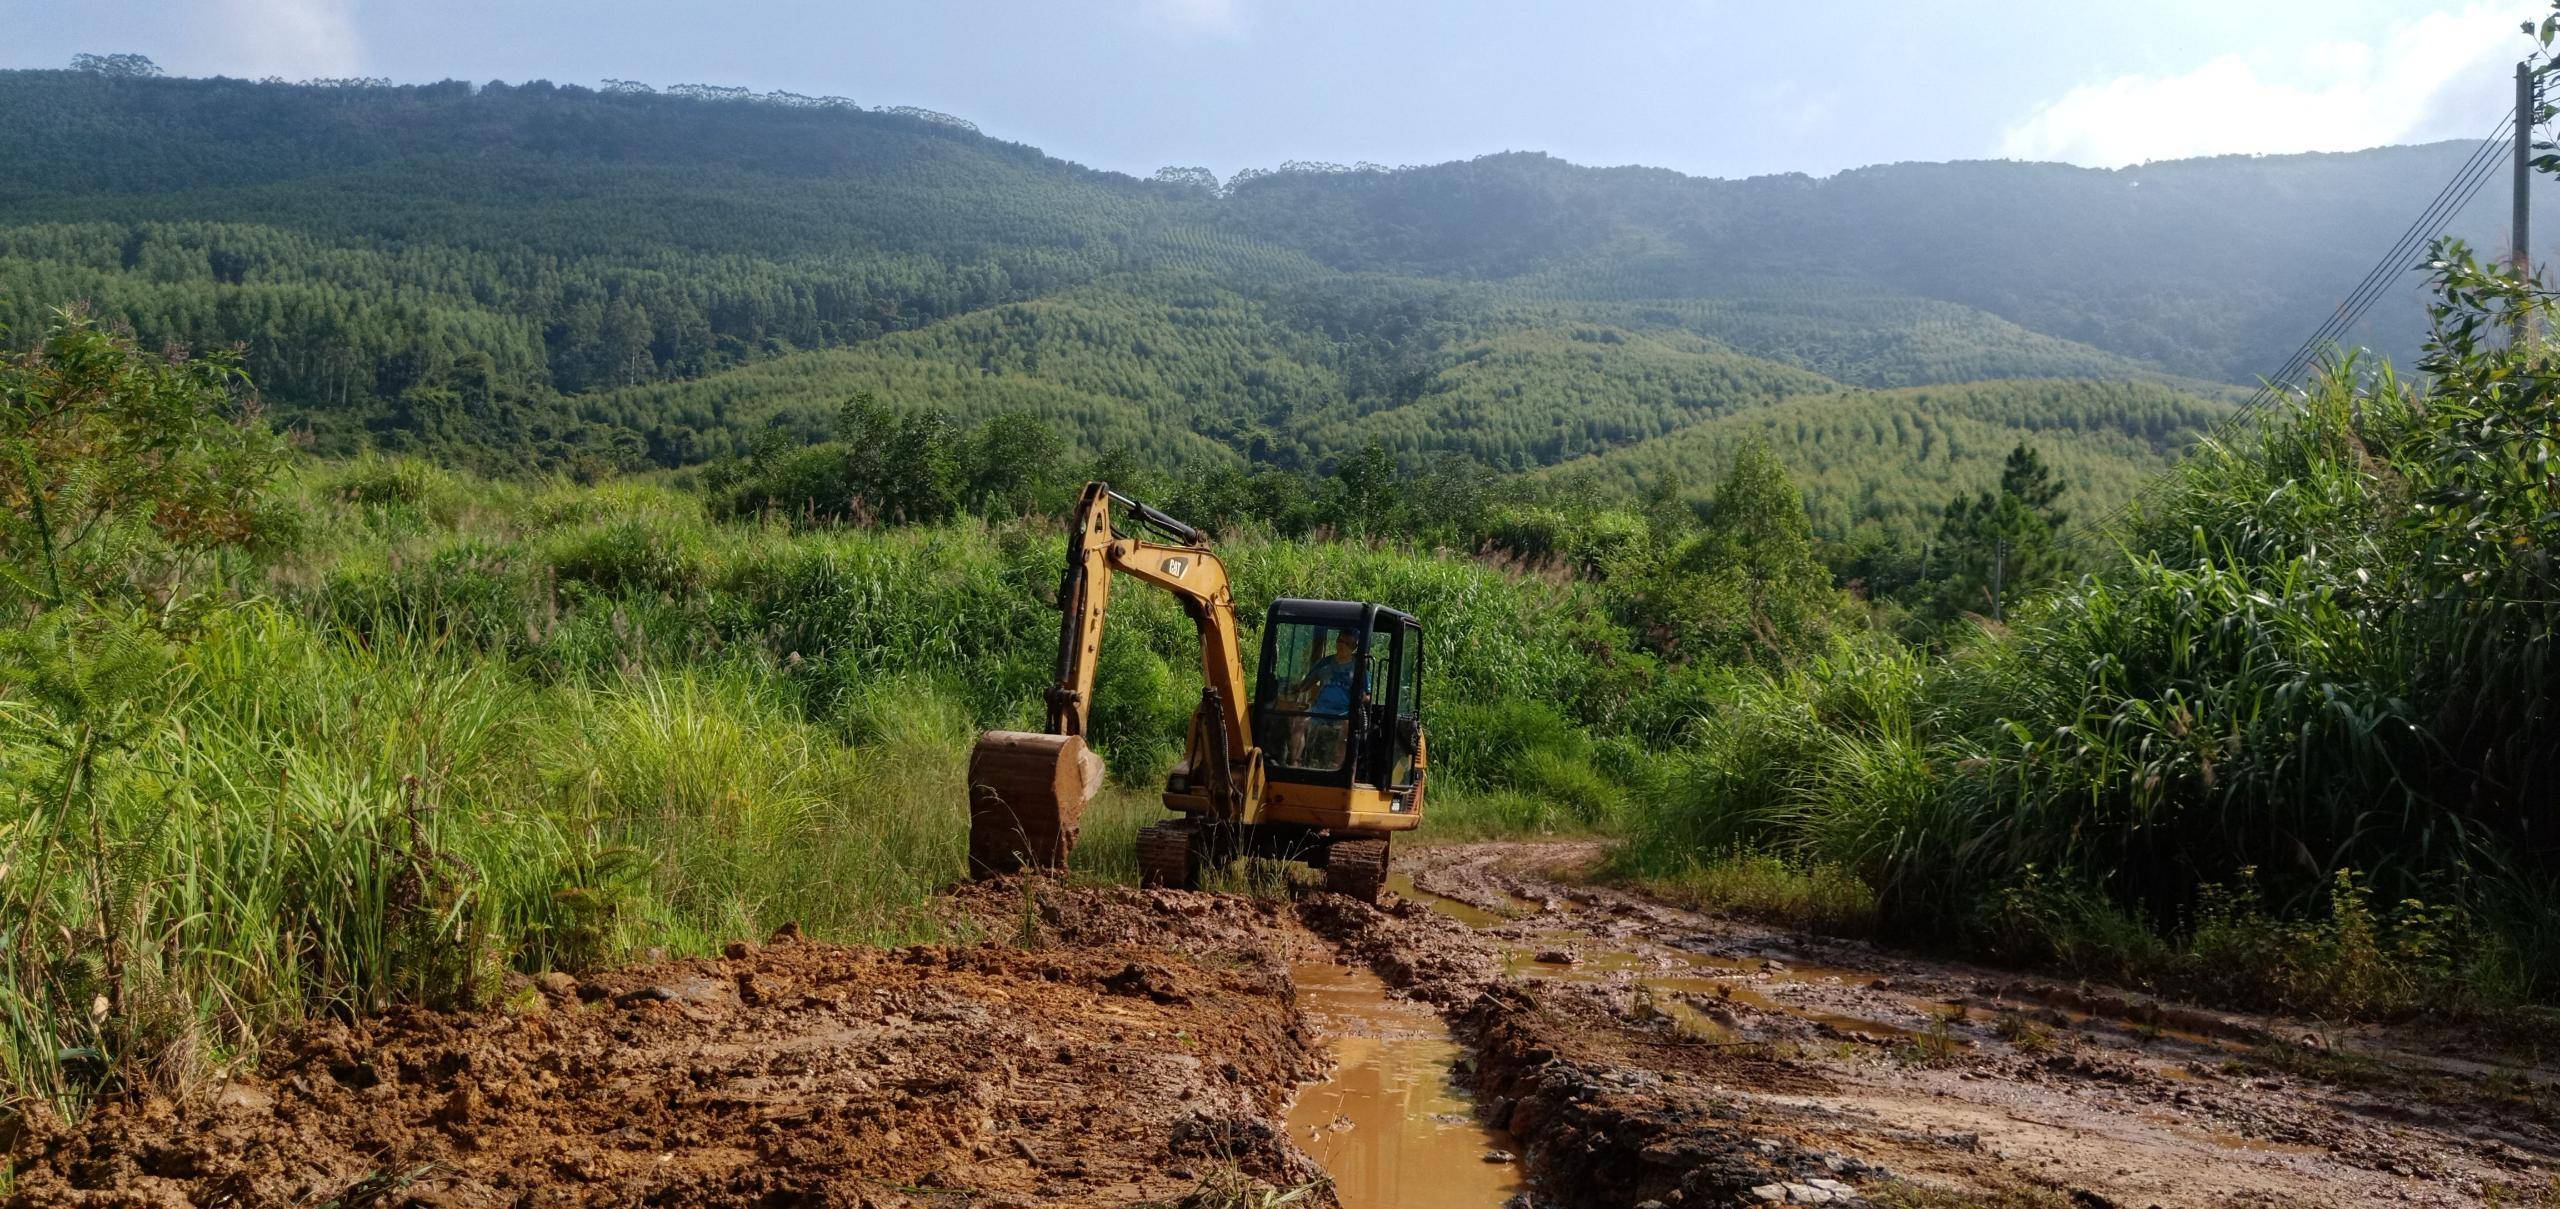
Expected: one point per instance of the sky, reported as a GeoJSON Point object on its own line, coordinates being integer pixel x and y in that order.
{"type": "Point", "coordinates": [1709, 87]}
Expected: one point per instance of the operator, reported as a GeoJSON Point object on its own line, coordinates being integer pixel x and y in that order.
{"type": "Point", "coordinates": [1333, 677]}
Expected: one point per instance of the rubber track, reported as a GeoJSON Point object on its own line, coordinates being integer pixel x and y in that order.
{"type": "Point", "coordinates": [1164, 856]}
{"type": "Point", "coordinates": [1357, 868]}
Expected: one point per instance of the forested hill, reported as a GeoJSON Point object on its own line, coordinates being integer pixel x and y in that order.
{"type": "Point", "coordinates": [532, 274]}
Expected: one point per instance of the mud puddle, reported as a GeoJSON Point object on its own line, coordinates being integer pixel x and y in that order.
{"type": "Point", "coordinates": [1458, 909]}
{"type": "Point", "coordinates": [1391, 1124]}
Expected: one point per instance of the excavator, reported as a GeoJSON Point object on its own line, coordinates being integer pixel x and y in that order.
{"type": "Point", "coordinates": [1321, 762]}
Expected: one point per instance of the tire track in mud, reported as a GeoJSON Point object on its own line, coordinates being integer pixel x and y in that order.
{"type": "Point", "coordinates": [1113, 1046]}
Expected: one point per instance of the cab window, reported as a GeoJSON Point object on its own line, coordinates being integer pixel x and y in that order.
{"type": "Point", "coordinates": [1315, 678]}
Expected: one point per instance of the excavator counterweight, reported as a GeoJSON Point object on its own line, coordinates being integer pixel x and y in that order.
{"type": "Point", "coordinates": [1320, 758]}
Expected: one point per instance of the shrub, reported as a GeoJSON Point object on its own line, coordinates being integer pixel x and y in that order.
{"type": "Point", "coordinates": [632, 555]}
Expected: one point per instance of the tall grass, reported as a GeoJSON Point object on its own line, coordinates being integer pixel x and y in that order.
{"type": "Point", "coordinates": [460, 727]}
{"type": "Point", "coordinates": [320, 827]}
{"type": "Point", "coordinates": [2271, 687]}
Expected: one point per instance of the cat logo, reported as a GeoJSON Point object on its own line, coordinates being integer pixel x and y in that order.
{"type": "Point", "coordinates": [1176, 566]}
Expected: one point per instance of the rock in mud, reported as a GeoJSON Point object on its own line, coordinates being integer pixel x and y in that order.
{"type": "Point", "coordinates": [1146, 981]}
{"type": "Point", "coordinates": [1809, 1192]}
{"type": "Point", "coordinates": [242, 1098]}
{"type": "Point", "coordinates": [458, 1108]}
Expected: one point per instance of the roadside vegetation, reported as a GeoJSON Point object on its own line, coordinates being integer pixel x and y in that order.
{"type": "Point", "coordinates": [673, 613]}
{"type": "Point", "coordinates": [283, 736]}
{"type": "Point", "coordinates": [2289, 747]}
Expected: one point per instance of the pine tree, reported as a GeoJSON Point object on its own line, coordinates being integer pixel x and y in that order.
{"type": "Point", "coordinates": [1994, 548]}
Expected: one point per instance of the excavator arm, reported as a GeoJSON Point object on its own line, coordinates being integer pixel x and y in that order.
{"type": "Point", "coordinates": [1182, 566]}
{"type": "Point", "coordinates": [1027, 790]}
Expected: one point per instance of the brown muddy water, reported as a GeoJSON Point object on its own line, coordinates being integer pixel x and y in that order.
{"type": "Point", "coordinates": [1391, 1125]}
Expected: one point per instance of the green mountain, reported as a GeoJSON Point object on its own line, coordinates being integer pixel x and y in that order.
{"type": "Point", "coordinates": [522, 275]}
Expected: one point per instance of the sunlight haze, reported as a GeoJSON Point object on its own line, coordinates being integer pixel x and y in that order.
{"type": "Point", "coordinates": [1709, 87]}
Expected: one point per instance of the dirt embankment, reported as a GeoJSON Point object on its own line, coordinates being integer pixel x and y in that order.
{"type": "Point", "coordinates": [1118, 1047]}
{"type": "Point", "coordinates": [1132, 1048]}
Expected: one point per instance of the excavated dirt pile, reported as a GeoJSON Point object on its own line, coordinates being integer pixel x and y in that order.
{"type": "Point", "coordinates": [790, 1073]}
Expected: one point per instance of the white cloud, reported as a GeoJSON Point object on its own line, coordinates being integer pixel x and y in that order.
{"type": "Point", "coordinates": [1221, 18]}
{"type": "Point", "coordinates": [297, 39]}
{"type": "Point", "coordinates": [2438, 76]}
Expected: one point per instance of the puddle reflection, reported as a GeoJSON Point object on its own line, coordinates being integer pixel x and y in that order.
{"type": "Point", "coordinates": [1391, 1125]}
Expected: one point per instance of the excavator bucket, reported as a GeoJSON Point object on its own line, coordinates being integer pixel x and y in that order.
{"type": "Point", "coordinates": [1027, 794]}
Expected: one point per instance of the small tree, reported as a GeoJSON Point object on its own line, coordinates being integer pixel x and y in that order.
{"type": "Point", "coordinates": [119, 66]}
{"type": "Point", "coordinates": [1994, 547]}
{"type": "Point", "coordinates": [1012, 463]}
{"type": "Point", "coordinates": [919, 471]}
{"type": "Point", "coordinates": [1366, 496]}
{"type": "Point", "coordinates": [118, 466]}
{"type": "Point", "coordinates": [1750, 585]}
{"type": "Point", "coordinates": [119, 471]}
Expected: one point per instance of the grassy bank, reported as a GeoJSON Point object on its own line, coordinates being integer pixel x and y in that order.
{"type": "Point", "coordinates": [429, 728]}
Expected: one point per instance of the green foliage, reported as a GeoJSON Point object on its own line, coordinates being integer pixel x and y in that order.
{"type": "Point", "coordinates": [1817, 898]}
{"type": "Point", "coordinates": [1749, 585]}
{"type": "Point", "coordinates": [117, 467]}
{"type": "Point", "coordinates": [2354, 961]}
{"type": "Point", "coordinates": [2319, 667]}
{"type": "Point", "coordinates": [119, 470]}
{"type": "Point", "coordinates": [886, 466]}
{"type": "Point", "coordinates": [1998, 547]}
{"type": "Point", "coordinates": [1525, 752]}
{"type": "Point", "coordinates": [436, 269]}
{"type": "Point", "coordinates": [1878, 467]}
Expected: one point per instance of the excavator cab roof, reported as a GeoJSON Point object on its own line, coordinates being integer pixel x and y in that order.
{"type": "Point", "coordinates": [1338, 613]}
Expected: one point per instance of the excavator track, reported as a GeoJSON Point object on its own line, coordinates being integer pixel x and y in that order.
{"type": "Point", "coordinates": [1357, 868]}
{"type": "Point", "coordinates": [1164, 855]}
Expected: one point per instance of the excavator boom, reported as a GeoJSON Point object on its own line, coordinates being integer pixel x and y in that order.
{"type": "Point", "coordinates": [1027, 789]}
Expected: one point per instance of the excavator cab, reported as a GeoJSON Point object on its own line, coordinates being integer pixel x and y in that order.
{"type": "Point", "coordinates": [1320, 757]}
{"type": "Point", "coordinates": [1334, 765]}
{"type": "Point", "coordinates": [1337, 701]}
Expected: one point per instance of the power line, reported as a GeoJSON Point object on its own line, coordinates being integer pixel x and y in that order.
{"type": "Point", "coordinates": [2450, 201]}
{"type": "Point", "coordinates": [2430, 223]}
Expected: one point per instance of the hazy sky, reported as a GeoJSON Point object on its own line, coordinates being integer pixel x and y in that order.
{"type": "Point", "coordinates": [1714, 87]}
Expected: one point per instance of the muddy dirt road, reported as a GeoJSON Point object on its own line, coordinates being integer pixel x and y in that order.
{"type": "Point", "coordinates": [1496, 1033]}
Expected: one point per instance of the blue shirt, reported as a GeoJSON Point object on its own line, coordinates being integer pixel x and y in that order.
{"type": "Point", "coordinates": [1333, 700]}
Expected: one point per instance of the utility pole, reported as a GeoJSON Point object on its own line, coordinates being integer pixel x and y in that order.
{"type": "Point", "coordinates": [2521, 245]}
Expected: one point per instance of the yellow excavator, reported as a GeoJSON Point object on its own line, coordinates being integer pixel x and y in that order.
{"type": "Point", "coordinates": [1321, 762]}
